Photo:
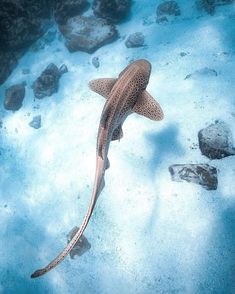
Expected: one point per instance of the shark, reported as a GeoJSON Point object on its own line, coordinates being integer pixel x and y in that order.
{"type": "Point", "coordinates": [124, 95]}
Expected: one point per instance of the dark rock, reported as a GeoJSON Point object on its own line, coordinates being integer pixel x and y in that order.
{"type": "Point", "coordinates": [81, 247]}
{"type": "Point", "coordinates": [87, 33]}
{"type": "Point", "coordinates": [210, 5]}
{"type": "Point", "coordinates": [112, 10]}
{"type": "Point", "coordinates": [135, 40]}
{"type": "Point", "coordinates": [8, 61]}
{"type": "Point", "coordinates": [36, 122]}
{"type": "Point", "coordinates": [95, 61]}
{"type": "Point", "coordinates": [168, 8]}
{"type": "Point", "coordinates": [47, 83]}
{"type": "Point", "coordinates": [216, 141]}
{"type": "Point", "coordinates": [202, 174]}
{"type": "Point", "coordinates": [22, 22]}
{"type": "Point", "coordinates": [64, 9]}
{"type": "Point", "coordinates": [203, 72]}
{"type": "Point", "coordinates": [14, 97]}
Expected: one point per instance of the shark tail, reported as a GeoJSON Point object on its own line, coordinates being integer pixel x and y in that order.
{"type": "Point", "coordinates": [97, 189]}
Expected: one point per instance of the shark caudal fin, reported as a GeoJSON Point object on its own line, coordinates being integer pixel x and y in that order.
{"type": "Point", "coordinates": [147, 106]}
{"type": "Point", "coordinates": [102, 86]}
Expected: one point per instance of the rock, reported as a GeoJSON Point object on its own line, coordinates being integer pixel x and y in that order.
{"type": "Point", "coordinates": [64, 9]}
{"type": "Point", "coordinates": [14, 97]}
{"type": "Point", "coordinates": [22, 22]}
{"type": "Point", "coordinates": [112, 10]}
{"type": "Point", "coordinates": [95, 61]}
{"type": "Point", "coordinates": [63, 69]}
{"type": "Point", "coordinates": [182, 54]}
{"type": "Point", "coordinates": [8, 62]}
{"type": "Point", "coordinates": [81, 247]}
{"type": "Point", "coordinates": [210, 5]}
{"type": "Point", "coordinates": [216, 141]}
{"type": "Point", "coordinates": [87, 33]}
{"type": "Point", "coordinates": [135, 40]}
{"type": "Point", "coordinates": [47, 83]}
{"type": "Point", "coordinates": [168, 8]}
{"type": "Point", "coordinates": [36, 122]}
{"type": "Point", "coordinates": [203, 72]}
{"type": "Point", "coordinates": [201, 174]}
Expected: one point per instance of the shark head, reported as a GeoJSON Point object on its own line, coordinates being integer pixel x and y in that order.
{"type": "Point", "coordinates": [142, 70]}
{"type": "Point", "coordinates": [143, 65]}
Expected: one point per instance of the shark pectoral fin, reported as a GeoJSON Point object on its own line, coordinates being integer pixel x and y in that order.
{"type": "Point", "coordinates": [117, 134]}
{"type": "Point", "coordinates": [147, 106]}
{"type": "Point", "coordinates": [102, 86]}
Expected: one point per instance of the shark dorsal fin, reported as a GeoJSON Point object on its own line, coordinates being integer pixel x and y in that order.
{"type": "Point", "coordinates": [147, 106]}
{"type": "Point", "coordinates": [102, 86]}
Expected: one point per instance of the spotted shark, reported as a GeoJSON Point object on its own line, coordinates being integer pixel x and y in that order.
{"type": "Point", "coordinates": [124, 95]}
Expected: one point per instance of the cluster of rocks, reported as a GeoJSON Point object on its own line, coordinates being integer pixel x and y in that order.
{"type": "Point", "coordinates": [23, 22]}
{"type": "Point", "coordinates": [215, 142]}
{"type": "Point", "coordinates": [45, 85]}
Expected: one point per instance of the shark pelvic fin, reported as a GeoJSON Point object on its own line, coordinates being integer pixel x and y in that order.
{"type": "Point", "coordinates": [107, 166]}
{"type": "Point", "coordinates": [117, 134]}
{"type": "Point", "coordinates": [147, 106]}
{"type": "Point", "coordinates": [102, 86]}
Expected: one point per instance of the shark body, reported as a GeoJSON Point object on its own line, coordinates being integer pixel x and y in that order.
{"type": "Point", "coordinates": [124, 95]}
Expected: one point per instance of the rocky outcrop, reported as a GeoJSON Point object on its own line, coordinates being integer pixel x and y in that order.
{"type": "Point", "coordinates": [167, 8]}
{"type": "Point", "coordinates": [210, 5]}
{"type": "Point", "coordinates": [135, 40]}
{"type": "Point", "coordinates": [64, 9]}
{"type": "Point", "coordinates": [216, 141]}
{"type": "Point", "coordinates": [87, 33]}
{"type": "Point", "coordinates": [201, 174]}
{"type": "Point", "coordinates": [112, 10]}
{"type": "Point", "coordinates": [47, 83]}
{"type": "Point", "coordinates": [14, 97]}
{"type": "Point", "coordinates": [81, 247]}
{"type": "Point", "coordinates": [22, 22]}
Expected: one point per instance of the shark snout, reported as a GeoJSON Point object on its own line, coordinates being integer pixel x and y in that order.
{"type": "Point", "coordinates": [144, 65]}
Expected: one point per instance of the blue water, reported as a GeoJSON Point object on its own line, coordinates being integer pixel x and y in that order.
{"type": "Point", "coordinates": [148, 234]}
